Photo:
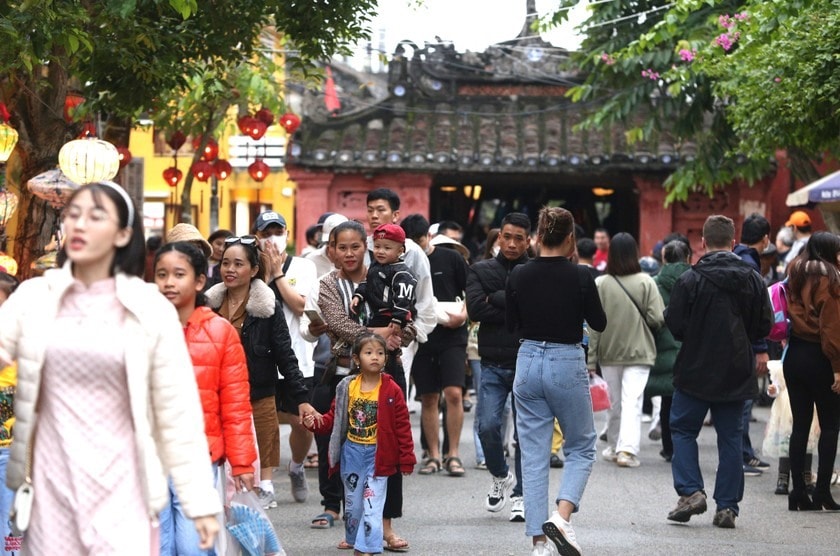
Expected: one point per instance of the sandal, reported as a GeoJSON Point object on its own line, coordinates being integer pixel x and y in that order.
{"type": "Point", "coordinates": [311, 461]}
{"type": "Point", "coordinates": [393, 543]}
{"type": "Point", "coordinates": [323, 521]}
{"type": "Point", "coordinates": [344, 545]}
{"type": "Point", "coordinates": [454, 466]}
{"type": "Point", "coordinates": [430, 467]}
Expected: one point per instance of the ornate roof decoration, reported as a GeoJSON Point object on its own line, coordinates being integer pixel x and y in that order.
{"type": "Point", "coordinates": [503, 110]}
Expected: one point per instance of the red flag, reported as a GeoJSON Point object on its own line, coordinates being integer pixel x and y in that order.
{"type": "Point", "coordinates": [330, 94]}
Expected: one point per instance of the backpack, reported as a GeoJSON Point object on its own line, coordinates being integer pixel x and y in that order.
{"type": "Point", "coordinates": [781, 320]}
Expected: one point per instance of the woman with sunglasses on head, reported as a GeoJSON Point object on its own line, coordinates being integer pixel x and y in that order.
{"type": "Point", "coordinates": [244, 299]}
{"type": "Point", "coordinates": [101, 355]}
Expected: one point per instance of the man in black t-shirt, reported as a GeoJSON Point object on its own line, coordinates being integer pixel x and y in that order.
{"type": "Point", "coordinates": [440, 363]}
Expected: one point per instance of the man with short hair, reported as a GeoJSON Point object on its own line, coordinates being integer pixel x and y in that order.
{"type": "Point", "coordinates": [291, 279]}
{"type": "Point", "coordinates": [602, 242]}
{"type": "Point", "coordinates": [498, 349]}
{"type": "Point", "coordinates": [451, 229]}
{"type": "Point", "coordinates": [586, 249]}
{"type": "Point", "coordinates": [800, 223]}
{"type": "Point", "coordinates": [718, 308]}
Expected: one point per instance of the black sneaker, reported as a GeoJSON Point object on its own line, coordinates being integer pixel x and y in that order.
{"type": "Point", "coordinates": [757, 463]}
{"type": "Point", "coordinates": [688, 506]}
{"type": "Point", "coordinates": [725, 519]}
{"type": "Point", "coordinates": [555, 462]}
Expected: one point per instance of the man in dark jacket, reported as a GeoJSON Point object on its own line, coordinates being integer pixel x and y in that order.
{"type": "Point", "coordinates": [498, 348]}
{"type": "Point", "coordinates": [717, 309]}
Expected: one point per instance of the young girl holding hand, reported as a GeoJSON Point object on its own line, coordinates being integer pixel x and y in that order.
{"type": "Point", "coordinates": [368, 412]}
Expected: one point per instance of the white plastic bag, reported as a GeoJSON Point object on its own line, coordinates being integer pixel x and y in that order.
{"type": "Point", "coordinates": [250, 527]}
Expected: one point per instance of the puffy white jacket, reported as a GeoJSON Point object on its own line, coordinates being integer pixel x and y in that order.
{"type": "Point", "coordinates": [165, 406]}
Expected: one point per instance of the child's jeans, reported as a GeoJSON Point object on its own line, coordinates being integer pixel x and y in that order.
{"type": "Point", "coordinates": [6, 497]}
{"type": "Point", "coordinates": [177, 532]}
{"type": "Point", "coordinates": [364, 497]}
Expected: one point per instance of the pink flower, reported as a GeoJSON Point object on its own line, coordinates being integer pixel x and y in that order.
{"type": "Point", "coordinates": [724, 41]}
{"type": "Point", "coordinates": [650, 74]}
{"type": "Point", "coordinates": [607, 59]}
{"type": "Point", "coordinates": [725, 21]}
{"type": "Point", "coordinates": [687, 55]}
{"type": "Point", "coordinates": [778, 79]}
{"type": "Point", "coordinates": [743, 16]}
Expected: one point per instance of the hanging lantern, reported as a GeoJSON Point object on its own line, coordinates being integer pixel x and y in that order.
{"type": "Point", "coordinates": [265, 116]}
{"type": "Point", "coordinates": [202, 170]}
{"type": "Point", "coordinates": [88, 130]}
{"type": "Point", "coordinates": [176, 140]}
{"type": "Point", "coordinates": [222, 168]}
{"type": "Point", "coordinates": [8, 263]}
{"type": "Point", "coordinates": [125, 156]}
{"type": "Point", "coordinates": [52, 186]}
{"type": "Point", "coordinates": [8, 206]}
{"type": "Point", "coordinates": [211, 149]}
{"type": "Point", "coordinates": [89, 160]}
{"type": "Point", "coordinates": [8, 140]}
{"type": "Point", "coordinates": [71, 102]}
{"type": "Point", "coordinates": [172, 176]}
{"type": "Point", "coordinates": [290, 122]}
{"type": "Point", "coordinates": [257, 130]}
{"type": "Point", "coordinates": [245, 123]}
{"type": "Point", "coordinates": [258, 170]}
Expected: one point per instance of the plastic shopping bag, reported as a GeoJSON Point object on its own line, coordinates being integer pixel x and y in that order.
{"type": "Point", "coordinates": [599, 392]}
{"type": "Point", "coordinates": [250, 527]}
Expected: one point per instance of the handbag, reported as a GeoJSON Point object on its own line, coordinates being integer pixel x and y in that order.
{"type": "Point", "coordinates": [21, 511]}
{"type": "Point", "coordinates": [599, 391]}
{"type": "Point", "coordinates": [444, 308]}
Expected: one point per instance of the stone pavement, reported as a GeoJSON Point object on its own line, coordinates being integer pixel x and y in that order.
{"type": "Point", "coordinates": [623, 511]}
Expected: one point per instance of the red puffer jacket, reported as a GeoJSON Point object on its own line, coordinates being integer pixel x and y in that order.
{"type": "Point", "coordinates": [222, 377]}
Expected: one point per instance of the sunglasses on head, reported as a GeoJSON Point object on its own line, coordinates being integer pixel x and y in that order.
{"type": "Point", "coordinates": [244, 240]}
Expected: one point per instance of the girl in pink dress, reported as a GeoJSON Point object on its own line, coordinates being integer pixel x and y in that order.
{"type": "Point", "coordinates": [106, 403]}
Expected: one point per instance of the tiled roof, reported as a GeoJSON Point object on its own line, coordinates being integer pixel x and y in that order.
{"type": "Point", "coordinates": [501, 111]}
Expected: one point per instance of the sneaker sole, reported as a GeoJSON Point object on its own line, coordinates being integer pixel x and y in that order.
{"type": "Point", "coordinates": [270, 505]}
{"type": "Point", "coordinates": [517, 519]}
{"type": "Point", "coordinates": [497, 508]}
{"type": "Point", "coordinates": [556, 536]}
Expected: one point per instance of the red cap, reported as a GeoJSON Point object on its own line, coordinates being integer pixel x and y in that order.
{"type": "Point", "coordinates": [390, 231]}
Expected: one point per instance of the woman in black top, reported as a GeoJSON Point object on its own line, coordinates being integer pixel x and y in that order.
{"type": "Point", "coordinates": [547, 301]}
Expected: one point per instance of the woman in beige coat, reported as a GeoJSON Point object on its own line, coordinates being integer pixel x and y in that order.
{"type": "Point", "coordinates": [107, 404]}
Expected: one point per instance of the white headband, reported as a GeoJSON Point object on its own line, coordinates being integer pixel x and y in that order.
{"type": "Point", "coordinates": [119, 189]}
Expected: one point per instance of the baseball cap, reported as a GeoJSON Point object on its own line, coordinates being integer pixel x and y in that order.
{"type": "Point", "coordinates": [269, 217]}
{"type": "Point", "coordinates": [800, 219]}
{"type": "Point", "coordinates": [323, 217]}
{"type": "Point", "coordinates": [188, 232]}
{"type": "Point", "coordinates": [390, 231]}
{"type": "Point", "coordinates": [329, 225]}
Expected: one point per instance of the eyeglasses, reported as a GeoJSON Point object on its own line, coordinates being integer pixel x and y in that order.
{"type": "Point", "coordinates": [244, 240]}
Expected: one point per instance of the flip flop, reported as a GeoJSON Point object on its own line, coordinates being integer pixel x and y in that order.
{"type": "Point", "coordinates": [311, 461]}
{"type": "Point", "coordinates": [393, 543]}
{"type": "Point", "coordinates": [326, 516]}
{"type": "Point", "coordinates": [344, 545]}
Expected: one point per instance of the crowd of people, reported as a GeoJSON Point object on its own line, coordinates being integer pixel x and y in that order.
{"type": "Point", "coordinates": [233, 335]}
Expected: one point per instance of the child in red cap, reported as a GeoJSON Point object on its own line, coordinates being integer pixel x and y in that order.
{"type": "Point", "coordinates": [389, 287]}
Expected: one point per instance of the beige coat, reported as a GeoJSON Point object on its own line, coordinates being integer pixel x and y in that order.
{"type": "Point", "coordinates": [165, 406]}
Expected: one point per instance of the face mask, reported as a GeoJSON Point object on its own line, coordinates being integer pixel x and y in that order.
{"type": "Point", "coordinates": [496, 250]}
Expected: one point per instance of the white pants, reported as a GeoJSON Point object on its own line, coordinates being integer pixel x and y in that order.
{"type": "Point", "coordinates": [627, 387]}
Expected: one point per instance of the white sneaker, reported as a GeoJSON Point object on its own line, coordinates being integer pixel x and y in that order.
{"type": "Point", "coordinates": [544, 549]}
{"type": "Point", "coordinates": [560, 532]}
{"type": "Point", "coordinates": [267, 499]}
{"type": "Point", "coordinates": [497, 496]}
{"type": "Point", "coordinates": [626, 459]}
{"type": "Point", "coordinates": [517, 508]}
{"type": "Point", "coordinates": [609, 453]}
{"type": "Point", "coordinates": [300, 489]}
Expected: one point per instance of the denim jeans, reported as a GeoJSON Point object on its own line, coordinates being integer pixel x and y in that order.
{"type": "Point", "coordinates": [627, 388]}
{"type": "Point", "coordinates": [496, 384]}
{"type": "Point", "coordinates": [7, 495]}
{"type": "Point", "coordinates": [178, 536]}
{"type": "Point", "coordinates": [747, 449]}
{"type": "Point", "coordinates": [364, 497]}
{"type": "Point", "coordinates": [475, 366]}
{"type": "Point", "coordinates": [552, 382]}
{"type": "Point", "coordinates": [687, 414]}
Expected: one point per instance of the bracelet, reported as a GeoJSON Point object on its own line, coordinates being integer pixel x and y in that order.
{"type": "Point", "coordinates": [281, 276]}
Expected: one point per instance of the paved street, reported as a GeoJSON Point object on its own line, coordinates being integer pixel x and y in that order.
{"type": "Point", "coordinates": [623, 512]}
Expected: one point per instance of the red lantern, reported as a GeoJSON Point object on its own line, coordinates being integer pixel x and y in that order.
{"type": "Point", "coordinates": [172, 176]}
{"type": "Point", "coordinates": [211, 149]}
{"type": "Point", "coordinates": [290, 122]}
{"type": "Point", "coordinates": [71, 102]}
{"type": "Point", "coordinates": [202, 170]}
{"type": "Point", "coordinates": [258, 170]}
{"type": "Point", "coordinates": [265, 116]}
{"type": "Point", "coordinates": [245, 123]}
{"type": "Point", "coordinates": [177, 140]}
{"type": "Point", "coordinates": [223, 168]}
{"type": "Point", "coordinates": [257, 130]}
{"type": "Point", "coordinates": [125, 156]}
{"type": "Point", "coordinates": [88, 130]}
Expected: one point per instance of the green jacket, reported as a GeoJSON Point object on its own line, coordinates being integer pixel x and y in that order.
{"type": "Point", "coordinates": [660, 381]}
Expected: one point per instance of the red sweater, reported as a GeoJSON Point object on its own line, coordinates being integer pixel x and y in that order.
{"type": "Point", "coordinates": [394, 443]}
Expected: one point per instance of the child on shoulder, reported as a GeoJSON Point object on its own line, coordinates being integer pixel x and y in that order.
{"type": "Point", "coordinates": [368, 413]}
{"type": "Point", "coordinates": [389, 287]}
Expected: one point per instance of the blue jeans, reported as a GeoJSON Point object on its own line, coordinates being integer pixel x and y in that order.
{"type": "Point", "coordinates": [178, 536]}
{"type": "Point", "coordinates": [364, 497]}
{"type": "Point", "coordinates": [552, 382]}
{"type": "Point", "coordinates": [7, 495]}
{"type": "Point", "coordinates": [747, 450]}
{"type": "Point", "coordinates": [496, 384]}
{"type": "Point", "coordinates": [687, 414]}
{"type": "Point", "coordinates": [475, 366]}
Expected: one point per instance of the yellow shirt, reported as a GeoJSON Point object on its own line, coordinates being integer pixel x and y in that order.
{"type": "Point", "coordinates": [8, 381]}
{"type": "Point", "coordinates": [361, 409]}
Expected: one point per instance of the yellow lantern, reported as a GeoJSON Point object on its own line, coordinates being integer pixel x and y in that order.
{"type": "Point", "coordinates": [8, 140]}
{"type": "Point", "coordinates": [8, 263]}
{"type": "Point", "coordinates": [89, 160]}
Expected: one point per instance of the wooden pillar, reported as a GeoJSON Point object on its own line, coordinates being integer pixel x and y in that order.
{"type": "Point", "coordinates": [655, 219]}
{"type": "Point", "coordinates": [312, 200]}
